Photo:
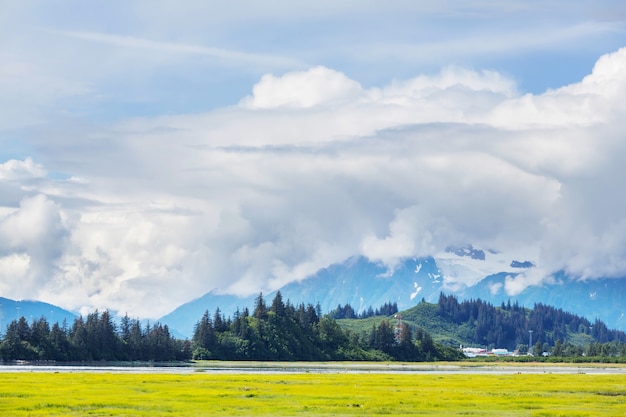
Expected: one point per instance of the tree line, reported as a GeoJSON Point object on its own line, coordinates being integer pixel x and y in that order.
{"type": "Point", "coordinates": [348, 312]}
{"type": "Point", "coordinates": [279, 331]}
{"type": "Point", "coordinates": [93, 338]}
{"type": "Point", "coordinates": [282, 331]}
{"type": "Point", "coordinates": [509, 326]}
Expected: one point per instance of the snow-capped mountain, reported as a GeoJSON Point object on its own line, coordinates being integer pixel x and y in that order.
{"type": "Point", "coordinates": [466, 271]}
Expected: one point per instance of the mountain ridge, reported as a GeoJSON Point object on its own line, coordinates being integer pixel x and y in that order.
{"type": "Point", "coordinates": [468, 272]}
{"type": "Point", "coordinates": [31, 309]}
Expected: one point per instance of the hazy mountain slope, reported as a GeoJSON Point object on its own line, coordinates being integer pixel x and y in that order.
{"type": "Point", "coordinates": [601, 299]}
{"type": "Point", "coordinates": [467, 272]}
{"type": "Point", "coordinates": [361, 284]}
{"type": "Point", "coordinates": [357, 282]}
{"type": "Point", "coordinates": [184, 318]}
{"type": "Point", "coordinates": [11, 310]}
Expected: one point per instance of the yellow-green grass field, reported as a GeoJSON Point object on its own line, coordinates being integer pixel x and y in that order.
{"type": "Point", "coordinates": [310, 394]}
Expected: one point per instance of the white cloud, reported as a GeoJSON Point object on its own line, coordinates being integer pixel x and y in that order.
{"type": "Point", "coordinates": [19, 170]}
{"type": "Point", "coordinates": [412, 232]}
{"type": "Point", "coordinates": [310, 168]}
{"type": "Point", "coordinates": [14, 269]}
{"type": "Point", "coordinates": [453, 78]}
{"type": "Point", "coordinates": [32, 238]}
{"type": "Point", "coordinates": [514, 285]}
{"type": "Point", "coordinates": [495, 288]}
{"type": "Point", "coordinates": [303, 89]}
{"type": "Point", "coordinates": [36, 226]}
{"type": "Point", "coordinates": [596, 99]}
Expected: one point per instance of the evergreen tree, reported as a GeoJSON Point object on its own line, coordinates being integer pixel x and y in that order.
{"type": "Point", "coordinates": [278, 307]}
{"type": "Point", "coordinates": [260, 309]}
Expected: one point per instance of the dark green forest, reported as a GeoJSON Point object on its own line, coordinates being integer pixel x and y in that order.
{"type": "Point", "coordinates": [281, 331]}
{"type": "Point", "coordinates": [276, 332]}
{"type": "Point", "coordinates": [508, 326]}
{"type": "Point", "coordinates": [284, 332]}
{"type": "Point", "coordinates": [93, 338]}
{"type": "Point", "coordinates": [347, 311]}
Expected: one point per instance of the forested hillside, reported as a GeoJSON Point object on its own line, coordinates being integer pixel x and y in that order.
{"type": "Point", "coordinates": [282, 331]}
{"type": "Point", "coordinates": [279, 331]}
{"type": "Point", "coordinates": [510, 325]}
{"type": "Point", "coordinates": [477, 323]}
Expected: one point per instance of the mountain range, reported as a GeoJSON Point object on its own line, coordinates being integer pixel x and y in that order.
{"type": "Point", "coordinates": [466, 272]}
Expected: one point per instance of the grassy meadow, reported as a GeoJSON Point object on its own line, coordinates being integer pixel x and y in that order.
{"type": "Point", "coordinates": [310, 394]}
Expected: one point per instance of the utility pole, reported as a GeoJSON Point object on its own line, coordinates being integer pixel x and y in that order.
{"type": "Point", "coordinates": [530, 345]}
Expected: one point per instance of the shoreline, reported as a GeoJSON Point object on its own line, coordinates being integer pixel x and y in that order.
{"type": "Point", "coordinates": [227, 367]}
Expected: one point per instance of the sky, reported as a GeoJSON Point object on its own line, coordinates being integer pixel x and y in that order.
{"type": "Point", "coordinates": [152, 151]}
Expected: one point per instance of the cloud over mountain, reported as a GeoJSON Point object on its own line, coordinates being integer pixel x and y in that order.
{"type": "Point", "coordinates": [312, 168]}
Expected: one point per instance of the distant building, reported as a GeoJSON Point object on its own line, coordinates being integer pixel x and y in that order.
{"type": "Point", "coordinates": [472, 352]}
{"type": "Point", "coordinates": [501, 352]}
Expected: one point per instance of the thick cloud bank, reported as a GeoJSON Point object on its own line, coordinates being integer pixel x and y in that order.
{"type": "Point", "coordinates": [312, 168]}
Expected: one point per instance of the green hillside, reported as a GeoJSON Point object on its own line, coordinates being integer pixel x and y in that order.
{"type": "Point", "coordinates": [477, 323]}
{"type": "Point", "coordinates": [442, 329]}
{"type": "Point", "coordinates": [424, 316]}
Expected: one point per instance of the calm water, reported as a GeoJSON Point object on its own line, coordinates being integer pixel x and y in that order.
{"type": "Point", "coordinates": [319, 368]}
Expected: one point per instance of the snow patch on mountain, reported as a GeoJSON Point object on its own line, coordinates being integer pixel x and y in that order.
{"type": "Point", "coordinates": [435, 277]}
{"type": "Point", "coordinates": [417, 290]}
{"type": "Point", "coordinates": [464, 267]}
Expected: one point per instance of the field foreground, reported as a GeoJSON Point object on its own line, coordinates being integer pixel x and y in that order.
{"type": "Point", "coordinates": [310, 394]}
